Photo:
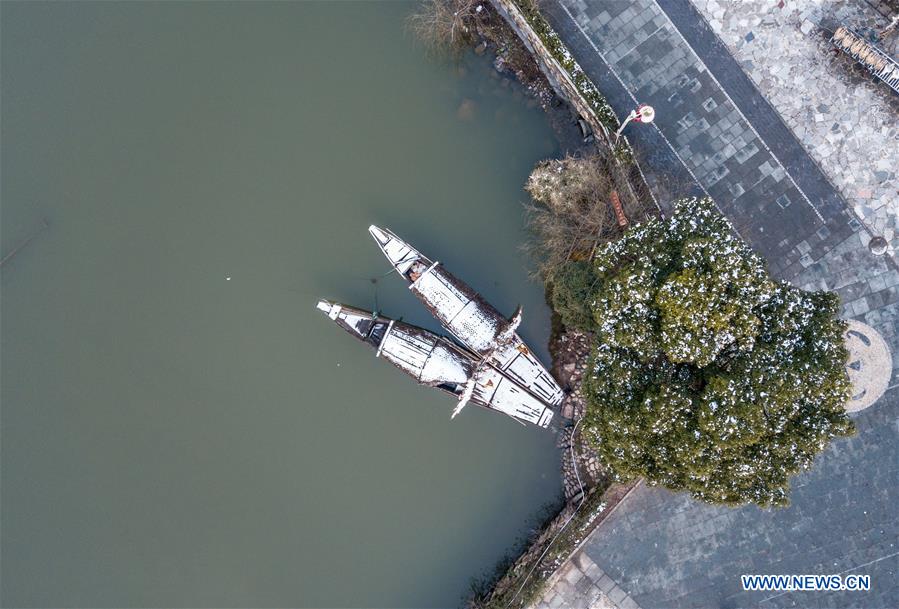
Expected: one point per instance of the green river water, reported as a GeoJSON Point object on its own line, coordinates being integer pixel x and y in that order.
{"type": "Point", "coordinates": [175, 438]}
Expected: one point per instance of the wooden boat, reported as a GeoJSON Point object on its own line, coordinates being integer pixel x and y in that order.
{"type": "Point", "coordinates": [438, 362]}
{"type": "Point", "coordinates": [468, 317]}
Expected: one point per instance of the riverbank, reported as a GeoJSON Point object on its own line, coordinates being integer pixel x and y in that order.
{"type": "Point", "coordinates": [589, 492]}
{"type": "Point", "coordinates": [513, 60]}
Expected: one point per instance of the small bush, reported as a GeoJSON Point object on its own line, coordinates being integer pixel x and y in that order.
{"type": "Point", "coordinates": [570, 214]}
{"type": "Point", "coordinates": [446, 27]}
{"type": "Point", "coordinates": [572, 292]}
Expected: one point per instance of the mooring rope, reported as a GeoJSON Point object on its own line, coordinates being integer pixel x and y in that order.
{"type": "Point", "coordinates": [374, 281]}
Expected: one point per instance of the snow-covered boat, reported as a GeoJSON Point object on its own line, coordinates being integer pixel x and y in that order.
{"type": "Point", "coordinates": [438, 362]}
{"type": "Point", "coordinates": [468, 317]}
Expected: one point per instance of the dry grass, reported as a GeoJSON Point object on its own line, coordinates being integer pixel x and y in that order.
{"type": "Point", "coordinates": [570, 214]}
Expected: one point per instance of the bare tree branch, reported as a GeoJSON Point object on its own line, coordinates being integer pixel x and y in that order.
{"type": "Point", "coordinates": [444, 26]}
{"type": "Point", "coordinates": [570, 214]}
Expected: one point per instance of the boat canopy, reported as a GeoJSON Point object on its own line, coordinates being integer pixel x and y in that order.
{"type": "Point", "coordinates": [461, 314]}
{"type": "Point", "coordinates": [422, 355]}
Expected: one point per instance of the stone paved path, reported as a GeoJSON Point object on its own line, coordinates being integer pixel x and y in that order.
{"type": "Point", "coordinates": [666, 550]}
{"type": "Point", "coordinates": [711, 126]}
{"type": "Point", "coordinates": [582, 584]}
{"type": "Point", "coordinates": [847, 122]}
{"type": "Point", "coordinates": [660, 549]}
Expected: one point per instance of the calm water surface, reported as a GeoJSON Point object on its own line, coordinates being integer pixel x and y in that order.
{"type": "Point", "coordinates": [174, 438]}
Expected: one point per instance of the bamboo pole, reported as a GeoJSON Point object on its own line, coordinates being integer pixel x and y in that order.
{"type": "Point", "coordinates": [44, 226]}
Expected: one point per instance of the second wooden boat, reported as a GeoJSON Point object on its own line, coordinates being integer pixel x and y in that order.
{"type": "Point", "coordinates": [438, 362]}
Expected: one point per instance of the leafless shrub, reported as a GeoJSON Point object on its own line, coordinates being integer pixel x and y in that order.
{"type": "Point", "coordinates": [444, 26]}
{"type": "Point", "coordinates": [570, 214]}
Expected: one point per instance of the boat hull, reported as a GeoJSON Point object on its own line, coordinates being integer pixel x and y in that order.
{"type": "Point", "coordinates": [438, 362]}
{"type": "Point", "coordinates": [469, 317]}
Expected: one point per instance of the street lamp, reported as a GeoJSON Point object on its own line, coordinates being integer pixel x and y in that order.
{"type": "Point", "coordinates": [878, 246]}
{"type": "Point", "coordinates": [644, 113]}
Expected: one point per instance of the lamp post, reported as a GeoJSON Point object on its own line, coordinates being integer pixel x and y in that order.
{"type": "Point", "coordinates": [644, 113]}
{"type": "Point", "coordinates": [878, 245]}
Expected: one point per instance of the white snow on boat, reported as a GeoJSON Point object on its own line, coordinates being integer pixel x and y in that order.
{"type": "Point", "coordinates": [468, 317]}
{"type": "Point", "coordinates": [436, 361]}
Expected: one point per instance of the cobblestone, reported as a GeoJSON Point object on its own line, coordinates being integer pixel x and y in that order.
{"type": "Point", "coordinates": [846, 121]}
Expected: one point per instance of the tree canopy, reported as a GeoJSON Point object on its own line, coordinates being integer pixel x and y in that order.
{"type": "Point", "coordinates": [707, 375]}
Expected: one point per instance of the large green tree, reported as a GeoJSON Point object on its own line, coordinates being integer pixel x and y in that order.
{"type": "Point", "coordinates": [707, 375]}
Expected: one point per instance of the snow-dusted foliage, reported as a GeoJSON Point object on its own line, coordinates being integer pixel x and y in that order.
{"type": "Point", "coordinates": [708, 375]}
{"type": "Point", "coordinates": [569, 215]}
{"type": "Point", "coordinates": [569, 218]}
{"type": "Point", "coordinates": [556, 48]}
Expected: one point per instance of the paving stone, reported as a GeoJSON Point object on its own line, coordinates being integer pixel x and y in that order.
{"type": "Point", "coordinates": [573, 575]}
{"type": "Point", "coordinates": [628, 603]}
{"type": "Point", "coordinates": [665, 548]}
{"type": "Point", "coordinates": [878, 283]}
{"type": "Point", "coordinates": [617, 594]}
{"type": "Point", "coordinates": [583, 586]}
{"type": "Point", "coordinates": [594, 572]}
{"type": "Point", "coordinates": [606, 583]}
{"type": "Point", "coordinates": [584, 561]}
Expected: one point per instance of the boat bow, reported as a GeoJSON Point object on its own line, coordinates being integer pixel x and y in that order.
{"type": "Point", "coordinates": [400, 254]}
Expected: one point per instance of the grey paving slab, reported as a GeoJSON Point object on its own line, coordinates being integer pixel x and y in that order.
{"type": "Point", "coordinates": [664, 549]}
{"type": "Point", "coordinates": [711, 135]}
{"type": "Point", "coordinates": [628, 603]}
{"type": "Point", "coordinates": [842, 519]}
{"type": "Point", "coordinates": [606, 583]}
{"type": "Point", "coordinates": [617, 594]}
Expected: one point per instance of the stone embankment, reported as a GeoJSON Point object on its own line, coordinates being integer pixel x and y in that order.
{"type": "Point", "coordinates": [570, 351]}
{"type": "Point", "coordinates": [589, 496]}
{"type": "Point", "coordinates": [568, 80]}
{"type": "Point", "coordinates": [511, 58]}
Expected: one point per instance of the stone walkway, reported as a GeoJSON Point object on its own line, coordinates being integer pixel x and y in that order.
{"type": "Point", "coordinates": [583, 583]}
{"type": "Point", "coordinates": [848, 123]}
{"type": "Point", "coordinates": [665, 550]}
{"type": "Point", "coordinates": [712, 127]}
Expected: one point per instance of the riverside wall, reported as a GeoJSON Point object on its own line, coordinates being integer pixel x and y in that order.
{"type": "Point", "coordinates": [556, 75]}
